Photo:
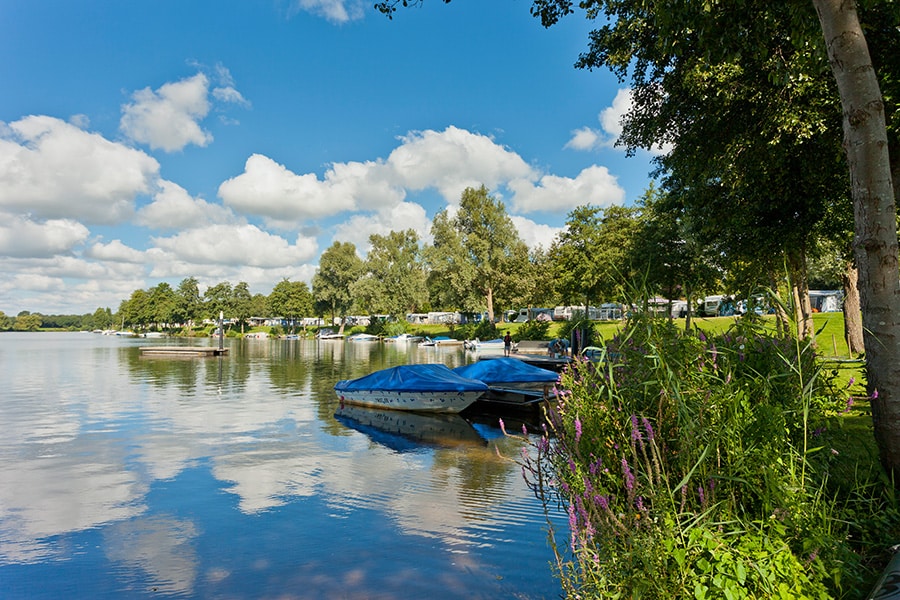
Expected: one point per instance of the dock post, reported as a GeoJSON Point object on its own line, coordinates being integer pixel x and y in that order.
{"type": "Point", "coordinates": [221, 331]}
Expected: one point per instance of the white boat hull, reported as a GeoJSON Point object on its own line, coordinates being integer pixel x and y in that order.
{"type": "Point", "coordinates": [438, 402]}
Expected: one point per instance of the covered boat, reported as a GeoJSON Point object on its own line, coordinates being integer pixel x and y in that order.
{"type": "Point", "coordinates": [505, 372]}
{"type": "Point", "coordinates": [426, 387]}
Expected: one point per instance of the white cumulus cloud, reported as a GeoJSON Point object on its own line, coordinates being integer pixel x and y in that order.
{"type": "Point", "coordinates": [454, 159]}
{"type": "Point", "coordinates": [174, 208]}
{"type": "Point", "coordinates": [269, 189]}
{"type": "Point", "coordinates": [535, 234]}
{"type": "Point", "coordinates": [594, 185]}
{"type": "Point", "coordinates": [24, 238]}
{"type": "Point", "coordinates": [115, 251]}
{"type": "Point", "coordinates": [236, 245]}
{"type": "Point", "coordinates": [611, 127]}
{"type": "Point", "coordinates": [169, 118]}
{"type": "Point", "coordinates": [53, 169]}
{"type": "Point", "coordinates": [407, 215]}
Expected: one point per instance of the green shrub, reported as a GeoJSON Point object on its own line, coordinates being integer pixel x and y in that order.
{"type": "Point", "coordinates": [532, 330]}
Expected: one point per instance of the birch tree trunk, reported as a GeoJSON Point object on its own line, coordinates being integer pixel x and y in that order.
{"type": "Point", "coordinates": [875, 241]}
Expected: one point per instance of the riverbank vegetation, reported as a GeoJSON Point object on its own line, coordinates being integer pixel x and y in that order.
{"type": "Point", "coordinates": [725, 463]}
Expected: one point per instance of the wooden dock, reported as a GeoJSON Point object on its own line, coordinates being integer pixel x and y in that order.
{"type": "Point", "coordinates": [193, 351]}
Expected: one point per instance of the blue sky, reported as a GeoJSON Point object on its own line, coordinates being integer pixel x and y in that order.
{"type": "Point", "coordinates": [143, 142]}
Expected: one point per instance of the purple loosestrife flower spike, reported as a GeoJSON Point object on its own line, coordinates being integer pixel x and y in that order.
{"type": "Point", "coordinates": [648, 428]}
{"type": "Point", "coordinates": [629, 476]}
{"type": "Point", "coordinates": [577, 429]}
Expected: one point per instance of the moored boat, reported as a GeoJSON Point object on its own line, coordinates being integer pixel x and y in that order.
{"type": "Point", "coordinates": [496, 346]}
{"type": "Point", "coordinates": [404, 338]}
{"type": "Point", "coordinates": [329, 334]}
{"type": "Point", "coordinates": [441, 340]}
{"type": "Point", "coordinates": [423, 387]}
{"type": "Point", "coordinates": [363, 337]}
{"type": "Point", "coordinates": [510, 373]}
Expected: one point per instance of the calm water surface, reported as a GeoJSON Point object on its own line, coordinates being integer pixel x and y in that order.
{"type": "Point", "coordinates": [241, 477]}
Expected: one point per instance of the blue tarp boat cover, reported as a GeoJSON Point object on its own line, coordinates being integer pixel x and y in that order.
{"type": "Point", "coordinates": [413, 378]}
{"type": "Point", "coordinates": [506, 370]}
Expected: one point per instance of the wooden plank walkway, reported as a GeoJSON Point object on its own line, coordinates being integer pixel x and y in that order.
{"type": "Point", "coordinates": [183, 351]}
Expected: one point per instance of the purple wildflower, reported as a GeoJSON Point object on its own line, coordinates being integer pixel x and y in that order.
{"type": "Point", "coordinates": [635, 433]}
{"type": "Point", "coordinates": [577, 429]}
{"type": "Point", "coordinates": [629, 476]}
{"type": "Point", "coordinates": [874, 394]}
{"type": "Point", "coordinates": [648, 428]}
{"type": "Point", "coordinates": [851, 382]}
{"type": "Point", "coordinates": [602, 502]}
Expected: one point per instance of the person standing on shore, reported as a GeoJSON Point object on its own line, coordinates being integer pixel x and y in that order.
{"type": "Point", "coordinates": [507, 344]}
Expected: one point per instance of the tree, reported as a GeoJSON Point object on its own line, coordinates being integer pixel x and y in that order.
{"type": "Point", "coordinates": [474, 251]}
{"type": "Point", "coordinates": [190, 302]}
{"type": "Point", "coordinates": [291, 300]}
{"type": "Point", "coordinates": [28, 322]}
{"type": "Point", "coordinates": [394, 281]}
{"type": "Point", "coordinates": [162, 304]}
{"type": "Point", "coordinates": [242, 303]}
{"type": "Point", "coordinates": [339, 267]}
{"type": "Point", "coordinates": [591, 255]}
{"type": "Point", "coordinates": [666, 254]}
{"type": "Point", "coordinates": [219, 299]}
{"type": "Point", "coordinates": [135, 311]}
{"type": "Point", "coordinates": [102, 318]}
{"type": "Point", "coordinates": [866, 144]}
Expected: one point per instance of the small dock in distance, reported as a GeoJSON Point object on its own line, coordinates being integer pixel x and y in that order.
{"type": "Point", "coordinates": [192, 351]}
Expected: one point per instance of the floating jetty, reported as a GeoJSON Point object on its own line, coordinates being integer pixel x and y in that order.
{"type": "Point", "coordinates": [183, 351]}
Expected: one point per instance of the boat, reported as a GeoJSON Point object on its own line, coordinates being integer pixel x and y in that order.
{"type": "Point", "coordinates": [440, 340]}
{"type": "Point", "coordinates": [421, 387]}
{"type": "Point", "coordinates": [328, 334]}
{"type": "Point", "coordinates": [488, 346]}
{"type": "Point", "coordinates": [509, 373]}
{"type": "Point", "coordinates": [406, 431]}
{"type": "Point", "coordinates": [363, 337]}
{"type": "Point", "coordinates": [404, 338]}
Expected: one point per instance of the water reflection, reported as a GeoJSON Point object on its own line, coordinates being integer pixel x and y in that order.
{"type": "Point", "coordinates": [197, 473]}
{"type": "Point", "coordinates": [408, 431]}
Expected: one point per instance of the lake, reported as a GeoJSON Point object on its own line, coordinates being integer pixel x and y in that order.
{"type": "Point", "coordinates": [124, 476]}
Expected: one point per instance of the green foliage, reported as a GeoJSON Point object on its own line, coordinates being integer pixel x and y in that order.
{"type": "Point", "coordinates": [393, 281]}
{"type": "Point", "coordinates": [690, 468]}
{"type": "Point", "coordinates": [482, 330]}
{"type": "Point", "coordinates": [532, 330]}
{"type": "Point", "coordinates": [591, 256]}
{"type": "Point", "coordinates": [475, 253]}
{"type": "Point", "coordinates": [339, 267]}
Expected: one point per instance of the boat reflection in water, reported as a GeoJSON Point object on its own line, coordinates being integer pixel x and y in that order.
{"type": "Point", "coordinates": [407, 431]}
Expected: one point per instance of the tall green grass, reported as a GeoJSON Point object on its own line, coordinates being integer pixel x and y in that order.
{"type": "Point", "coordinates": [710, 464]}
